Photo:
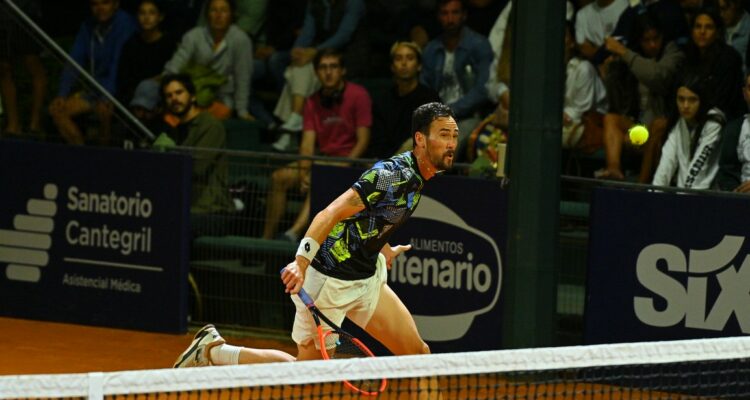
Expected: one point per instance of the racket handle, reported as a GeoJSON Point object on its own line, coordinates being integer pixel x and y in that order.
{"type": "Point", "coordinates": [302, 294]}
{"type": "Point", "coordinates": [305, 297]}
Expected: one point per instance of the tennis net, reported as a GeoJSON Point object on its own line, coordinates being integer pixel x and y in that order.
{"type": "Point", "coordinates": [691, 369]}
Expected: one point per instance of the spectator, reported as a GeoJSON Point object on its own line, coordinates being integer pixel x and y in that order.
{"type": "Point", "coordinates": [144, 55]}
{"type": "Point", "coordinates": [640, 82]}
{"type": "Point", "coordinates": [456, 64]}
{"type": "Point", "coordinates": [737, 22]}
{"type": "Point", "coordinates": [731, 169]}
{"type": "Point", "coordinates": [337, 123]}
{"type": "Point", "coordinates": [595, 22]}
{"type": "Point", "coordinates": [585, 95]}
{"type": "Point", "coordinates": [226, 50]}
{"type": "Point", "coordinates": [14, 44]}
{"type": "Point", "coordinates": [689, 158]}
{"type": "Point", "coordinates": [199, 129]}
{"type": "Point", "coordinates": [708, 56]}
{"type": "Point", "coordinates": [272, 56]}
{"type": "Point", "coordinates": [97, 48]}
{"type": "Point", "coordinates": [500, 38]}
{"type": "Point", "coordinates": [283, 23]}
{"type": "Point", "coordinates": [145, 106]}
{"type": "Point", "coordinates": [328, 24]}
{"type": "Point", "coordinates": [742, 149]}
{"type": "Point", "coordinates": [670, 15]}
{"type": "Point", "coordinates": [392, 114]}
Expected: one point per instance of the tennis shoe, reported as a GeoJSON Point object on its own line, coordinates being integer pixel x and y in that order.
{"type": "Point", "coordinates": [198, 354]}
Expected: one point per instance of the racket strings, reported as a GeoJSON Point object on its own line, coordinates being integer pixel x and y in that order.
{"type": "Point", "coordinates": [341, 345]}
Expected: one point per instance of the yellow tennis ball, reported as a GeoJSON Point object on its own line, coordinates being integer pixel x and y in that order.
{"type": "Point", "coordinates": [638, 135]}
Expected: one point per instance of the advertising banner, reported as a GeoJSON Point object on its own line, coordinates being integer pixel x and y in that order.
{"type": "Point", "coordinates": [451, 279]}
{"type": "Point", "coordinates": [667, 266]}
{"type": "Point", "coordinates": [94, 236]}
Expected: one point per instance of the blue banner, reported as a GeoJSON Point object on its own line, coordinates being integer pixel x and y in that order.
{"type": "Point", "coordinates": [451, 279]}
{"type": "Point", "coordinates": [666, 267]}
{"type": "Point", "coordinates": [94, 236]}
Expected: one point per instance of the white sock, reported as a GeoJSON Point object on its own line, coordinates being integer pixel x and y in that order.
{"type": "Point", "coordinates": [225, 354]}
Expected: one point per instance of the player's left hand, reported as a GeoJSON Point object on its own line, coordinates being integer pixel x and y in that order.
{"type": "Point", "coordinates": [391, 252]}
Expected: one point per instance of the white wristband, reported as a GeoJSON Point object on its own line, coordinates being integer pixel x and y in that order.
{"type": "Point", "coordinates": [308, 247]}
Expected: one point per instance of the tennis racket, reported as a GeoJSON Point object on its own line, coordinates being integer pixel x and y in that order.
{"type": "Point", "coordinates": [336, 343]}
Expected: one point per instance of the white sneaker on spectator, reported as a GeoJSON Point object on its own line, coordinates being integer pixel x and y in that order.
{"type": "Point", "coordinates": [293, 124]}
{"type": "Point", "coordinates": [283, 143]}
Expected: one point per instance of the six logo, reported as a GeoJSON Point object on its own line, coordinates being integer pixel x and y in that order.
{"type": "Point", "coordinates": [25, 247]}
{"type": "Point", "coordinates": [689, 302]}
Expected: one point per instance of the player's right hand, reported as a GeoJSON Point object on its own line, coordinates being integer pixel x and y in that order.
{"type": "Point", "coordinates": [293, 277]}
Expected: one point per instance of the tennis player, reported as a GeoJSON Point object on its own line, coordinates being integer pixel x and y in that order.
{"type": "Point", "coordinates": [343, 259]}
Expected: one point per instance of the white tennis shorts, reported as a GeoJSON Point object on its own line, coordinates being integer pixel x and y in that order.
{"type": "Point", "coordinates": [337, 299]}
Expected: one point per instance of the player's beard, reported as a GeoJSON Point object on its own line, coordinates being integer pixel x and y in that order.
{"type": "Point", "coordinates": [441, 161]}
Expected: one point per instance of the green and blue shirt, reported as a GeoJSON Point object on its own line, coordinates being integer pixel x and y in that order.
{"type": "Point", "coordinates": [390, 191]}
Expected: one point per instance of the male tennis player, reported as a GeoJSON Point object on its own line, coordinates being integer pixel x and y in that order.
{"type": "Point", "coordinates": [342, 260]}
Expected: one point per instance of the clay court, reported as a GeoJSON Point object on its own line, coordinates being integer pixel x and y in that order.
{"type": "Point", "coordinates": [36, 347]}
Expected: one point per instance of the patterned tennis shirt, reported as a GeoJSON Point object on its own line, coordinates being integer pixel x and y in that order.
{"type": "Point", "coordinates": [390, 192]}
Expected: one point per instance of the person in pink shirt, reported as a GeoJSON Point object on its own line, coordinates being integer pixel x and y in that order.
{"type": "Point", "coordinates": [336, 123]}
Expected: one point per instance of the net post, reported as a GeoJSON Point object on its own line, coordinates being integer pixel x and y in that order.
{"type": "Point", "coordinates": [96, 386]}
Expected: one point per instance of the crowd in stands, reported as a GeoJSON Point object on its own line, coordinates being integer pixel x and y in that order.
{"type": "Point", "coordinates": [312, 73]}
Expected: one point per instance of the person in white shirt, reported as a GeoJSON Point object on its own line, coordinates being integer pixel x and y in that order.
{"type": "Point", "coordinates": [595, 22]}
{"type": "Point", "coordinates": [584, 92]}
{"type": "Point", "coordinates": [690, 157]}
{"type": "Point", "coordinates": [743, 145]}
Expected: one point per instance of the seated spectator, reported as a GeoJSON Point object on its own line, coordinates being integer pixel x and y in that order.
{"type": "Point", "coordinates": [670, 15]}
{"type": "Point", "coordinates": [391, 124]}
{"type": "Point", "coordinates": [734, 173]}
{"type": "Point", "coordinates": [144, 55]}
{"type": "Point", "coordinates": [707, 55]}
{"type": "Point", "coordinates": [585, 95]}
{"type": "Point", "coordinates": [145, 106]}
{"type": "Point", "coordinates": [456, 65]}
{"type": "Point", "coordinates": [595, 22]}
{"type": "Point", "coordinates": [500, 38]}
{"type": "Point", "coordinates": [337, 123]}
{"type": "Point", "coordinates": [16, 44]}
{"type": "Point", "coordinates": [219, 48]}
{"type": "Point", "coordinates": [500, 41]}
{"type": "Point", "coordinates": [690, 156]}
{"type": "Point", "coordinates": [97, 48]}
{"type": "Point", "coordinates": [327, 24]}
{"type": "Point", "coordinates": [282, 25]}
{"type": "Point", "coordinates": [283, 22]}
{"type": "Point", "coordinates": [737, 23]}
{"type": "Point", "coordinates": [210, 194]}
{"type": "Point", "coordinates": [640, 81]}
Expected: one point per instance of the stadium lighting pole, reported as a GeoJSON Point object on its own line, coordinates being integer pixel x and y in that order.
{"type": "Point", "coordinates": [537, 71]}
